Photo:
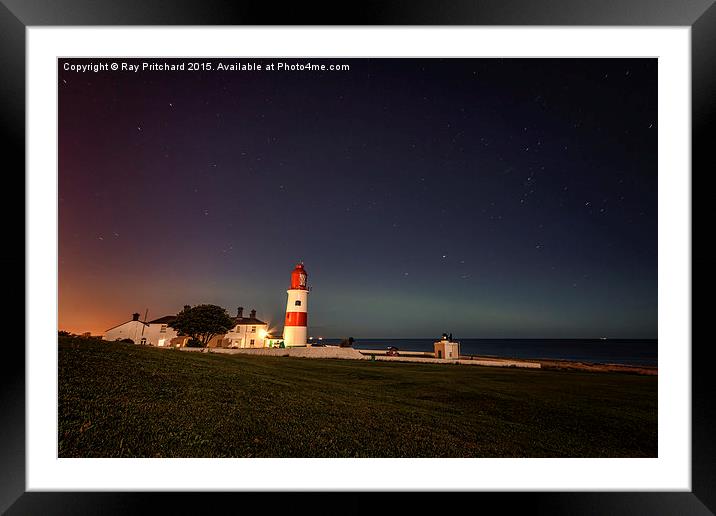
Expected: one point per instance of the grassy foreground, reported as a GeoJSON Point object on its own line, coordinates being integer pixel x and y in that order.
{"type": "Point", "coordinates": [120, 400]}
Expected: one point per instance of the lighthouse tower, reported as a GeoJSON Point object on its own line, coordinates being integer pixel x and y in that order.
{"type": "Point", "coordinates": [295, 327]}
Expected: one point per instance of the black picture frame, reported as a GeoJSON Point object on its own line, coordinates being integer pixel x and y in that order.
{"type": "Point", "coordinates": [17, 15]}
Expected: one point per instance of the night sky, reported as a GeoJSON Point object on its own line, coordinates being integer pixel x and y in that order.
{"type": "Point", "coordinates": [484, 197]}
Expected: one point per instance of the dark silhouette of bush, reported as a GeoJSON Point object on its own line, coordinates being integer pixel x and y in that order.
{"type": "Point", "coordinates": [347, 343]}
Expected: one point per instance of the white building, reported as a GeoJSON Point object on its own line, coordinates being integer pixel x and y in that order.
{"type": "Point", "coordinates": [153, 333]}
{"type": "Point", "coordinates": [249, 332]}
{"type": "Point", "coordinates": [160, 333]}
{"type": "Point", "coordinates": [445, 348]}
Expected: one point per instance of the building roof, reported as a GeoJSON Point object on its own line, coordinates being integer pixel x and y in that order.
{"type": "Point", "coordinates": [248, 320]}
{"type": "Point", "coordinates": [132, 320]}
{"type": "Point", "coordinates": [167, 319]}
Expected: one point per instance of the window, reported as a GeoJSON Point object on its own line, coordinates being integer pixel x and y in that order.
{"type": "Point", "coordinates": [298, 302]}
{"type": "Point", "coordinates": [143, 341]}
{"type": "Point", "coordinates": [251, 343]}
{"type": "Point", "coordinates": [163, 329]}
{"type": "Point", "coordinates": [253, 330]}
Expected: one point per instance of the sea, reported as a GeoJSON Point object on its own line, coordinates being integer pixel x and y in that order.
{"type": "Point", "coordinates": [636, 352]}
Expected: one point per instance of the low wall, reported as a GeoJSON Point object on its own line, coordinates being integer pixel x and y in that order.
{"type": "Point", "coordinates": [381, 352]}
{"type": "Point", "coordinates": [479, 362]}
{"type": "Point", "coordinates": [354, 354]}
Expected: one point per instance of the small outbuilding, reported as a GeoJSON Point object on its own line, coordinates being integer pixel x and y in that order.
{"type": "Point", "coordinates": [446, 348]}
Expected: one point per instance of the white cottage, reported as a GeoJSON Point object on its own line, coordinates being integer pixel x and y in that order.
{"type": "Point", "coordinates": [249, 332]}
{"type": "Point", "coordinates": [160, 333]}
{"type": "Point", "coordinates": [153, 333]}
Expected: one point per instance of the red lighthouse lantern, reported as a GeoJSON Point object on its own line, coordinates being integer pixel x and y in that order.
{"type": "Point", "coordinates": [299, 278]}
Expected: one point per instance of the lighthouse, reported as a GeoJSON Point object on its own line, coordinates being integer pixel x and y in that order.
{"type": "Point", "coordinates": [295, 327]}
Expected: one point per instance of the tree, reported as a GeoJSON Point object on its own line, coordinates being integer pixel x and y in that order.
{"type": "Point", "coordinates": [203, 322]}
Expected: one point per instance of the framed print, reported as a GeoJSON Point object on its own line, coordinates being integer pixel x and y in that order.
{"type": "Point", "coordinates": [485, 210]}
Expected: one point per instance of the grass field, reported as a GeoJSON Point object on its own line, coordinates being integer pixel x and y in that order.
{"type": "Point", "coordinates": [119, 400]}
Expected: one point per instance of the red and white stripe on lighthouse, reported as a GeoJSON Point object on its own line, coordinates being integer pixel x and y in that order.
{"type": "Point", "coordinates": [295, 328]}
